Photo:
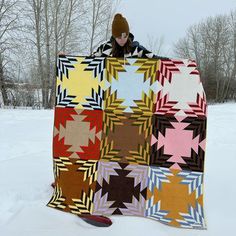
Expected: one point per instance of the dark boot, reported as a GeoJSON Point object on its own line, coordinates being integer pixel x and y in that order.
{"type": "Point", "coordinates": [99, 221]}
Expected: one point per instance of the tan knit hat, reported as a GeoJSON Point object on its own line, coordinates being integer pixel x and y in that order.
{"type": "Point", "coordinates": [119, 26]}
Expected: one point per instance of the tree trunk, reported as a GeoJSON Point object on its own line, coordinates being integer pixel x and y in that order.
{"type": "Point", "coordinates": [2, 83]}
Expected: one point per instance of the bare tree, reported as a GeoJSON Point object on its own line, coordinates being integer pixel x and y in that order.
{"type": "Point", "coordinates": [8, 24]}
{"type": "Point", "coordinates": [230, 59]}
{"type": "Point", "coordinates": [51, 26]}
{"type": "Point", "coordinates": [66, 15]}
{"type": "Point", "coordinates": [2, 82]}
{"type": "Point", "coordinates": [155, 44]}
{"type": "Point", "coordinates": [98, 21]}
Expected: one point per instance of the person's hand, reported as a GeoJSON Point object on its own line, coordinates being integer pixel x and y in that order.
{"type": "Point", "coordinates": [61, 53]}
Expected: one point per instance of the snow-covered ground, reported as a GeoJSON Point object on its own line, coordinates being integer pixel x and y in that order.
{"type": "Point", "coordinates": [26, 173]}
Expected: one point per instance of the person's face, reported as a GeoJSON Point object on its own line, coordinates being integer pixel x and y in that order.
{"type": "Point", "coordinates": [122, 39]}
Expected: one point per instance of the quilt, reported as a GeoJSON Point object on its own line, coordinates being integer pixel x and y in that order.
{"type": "Point", "coordinates": [129, 138]}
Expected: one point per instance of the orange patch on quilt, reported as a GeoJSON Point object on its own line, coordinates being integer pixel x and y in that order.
{"type": "Point", "coordinates": [175, 197]}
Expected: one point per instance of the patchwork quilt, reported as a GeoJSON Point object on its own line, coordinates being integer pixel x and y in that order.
{"type": "Point", "coordinates": [129, 139]}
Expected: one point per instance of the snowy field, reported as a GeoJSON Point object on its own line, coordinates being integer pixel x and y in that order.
{"type": "Point", "coordinates": [26, 174]}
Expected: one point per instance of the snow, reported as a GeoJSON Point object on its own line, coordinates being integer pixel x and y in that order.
{"type": "Point", "coordinates": [26, 173]}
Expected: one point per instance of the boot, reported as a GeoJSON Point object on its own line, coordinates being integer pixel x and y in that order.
{"type": "Point", "coordinates": [96, 220]}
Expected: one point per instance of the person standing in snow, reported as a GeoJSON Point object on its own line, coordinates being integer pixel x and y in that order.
{"type": "Point", "coordinates": [121, 44]}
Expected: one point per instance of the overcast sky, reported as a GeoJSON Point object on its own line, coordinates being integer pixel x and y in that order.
{"type": "Point", "coordinates": [169, 19]}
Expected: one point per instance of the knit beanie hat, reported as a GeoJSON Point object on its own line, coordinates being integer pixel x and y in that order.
{"type": "Point", "coordinates": [119, 26]}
